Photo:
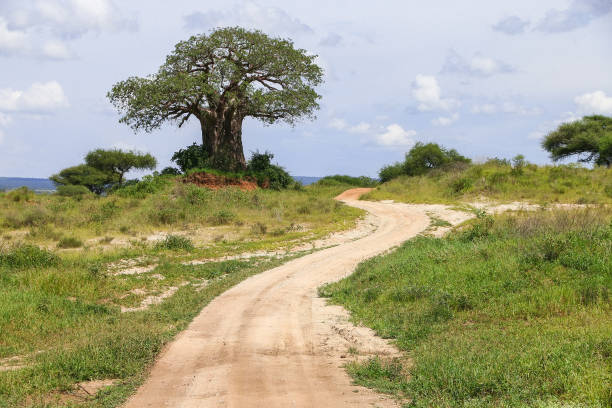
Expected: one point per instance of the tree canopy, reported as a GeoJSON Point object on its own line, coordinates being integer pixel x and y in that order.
{"type": "Point", "coordinates": [421, 159]}
{"type": "Point", "coordinates": [116, 162]}
{"type": "Point", "coordinates": [83, 175]}
{"type": "Point", "coordinates": [589, 138]}
{"type": "Point", "coordinates": [220, 79]}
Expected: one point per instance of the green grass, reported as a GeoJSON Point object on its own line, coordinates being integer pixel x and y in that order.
{"type": "Point", "coordinates": [500, 182]}
{"type": "Point", "coordinates": [161, 205]}
{"type": "Point", "coordinates": [512, 311]}
{"type": "Point", "coordinates": [63, 318]}
{"type": "Point", "coordinates": [60, 311]}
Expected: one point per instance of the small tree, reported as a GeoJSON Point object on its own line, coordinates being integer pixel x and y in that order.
{"type": "Point", "coordinates": [589, 138]}
{"type": "Point", "coordinates": [220, 79]}
{"type": "Point", "coordinates": [425, 157]}
{"type": "Point", "coordinates": [116, 162]}
{"type": "Point", "coordinates": [83, 175]}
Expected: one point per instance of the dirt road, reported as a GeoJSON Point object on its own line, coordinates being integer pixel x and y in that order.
{"type": "Point", "coordinates": [270, 341]}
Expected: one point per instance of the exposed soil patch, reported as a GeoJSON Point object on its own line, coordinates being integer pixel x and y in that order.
{"type": "Point", "coordinates": [216, 182]}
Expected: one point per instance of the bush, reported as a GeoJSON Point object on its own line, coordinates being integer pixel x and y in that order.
{"type": "Point", "coordinates": [69, 242]}
{"type": "Point", "coordinates": [72, 190]}
{"type": "Point", "coordinates": [222, 217]}
{"type": "Point", "coordinates": [175, 243]}
{"type": "Point", "coordinates": [27, 256]}
{"type": "Point", "coordinates": [267, 174]}
{"type": "Point", "coordinates": [390, 172]}
{"type": "Point", "coordinates": [337, 179]}
{"type": "Point", "coordinates": [170, 171]}
{"type": "Point", "coordinates": [191, 157]}
{"type": "Point", "coordinates": [149, 184]}
{"type": "Point", "coordinates": [20, 194]}
{"type": "Point", "coordinates": [421, 159]}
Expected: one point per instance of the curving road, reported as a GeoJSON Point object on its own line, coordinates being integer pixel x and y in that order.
{"type": "Point", "coordinates": [264, 343]}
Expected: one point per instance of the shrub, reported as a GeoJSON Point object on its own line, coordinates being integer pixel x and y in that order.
{"type": "Point", "coordinates": [69, 242]}
{"type": "Point", "coordinates": [267, 174]}
{"type": "Point", "coordinates": [191, 157]}
{"type": "Point", "coordinates": [361, 181]}
{"type": "Point", "coordinates": [175, 243]}
{"type": "Point", "coordinates": [170, 171]}
{"type": "Point", "coordinates": [149, 184]}
{"type": "Point", "coordinates": [222, 217]}
{"type": "Point", "coordinates": [72, 190]}
{"type": "Point", "coordinates": [390, 172]}
{"type": "Point", "coordinates": [20, 194]}
{"type": "Point", "coordinates": [27, 256]}
{"type": "Point", "coordinates": [259, 228]}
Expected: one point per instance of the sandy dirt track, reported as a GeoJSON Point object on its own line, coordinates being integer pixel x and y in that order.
{"type": "Point", "coordinates": [271, 342]}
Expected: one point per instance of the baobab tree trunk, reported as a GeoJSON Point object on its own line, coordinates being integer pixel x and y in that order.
{"type": "Point", "coordinates": [222, 139]}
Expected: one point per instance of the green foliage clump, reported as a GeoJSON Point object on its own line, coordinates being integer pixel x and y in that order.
{"type": "Point", "coordinates": [72, 190]}
{"type": "Point", "coordinates": [589, 138]}
{"type": "Point", "coordinates": [191, 157]}
{"type": "Point", "coordinates": [21, 194]}
{"type": "Point", "coordinates": [175, 243]}
{"type": "Point", "coordinates": [116, 162]}
{"type": "Point", "coordinates": [512, 310]}
{"type": "Point", "coordinates": [27, 256]}
{"type": "Point", "coordinates": [267, 174]}
{"type": "Point", "coordinates": [69, 242]}
{"type": "Point", "coordinates": [423, 158]}
{"type": "Point", "coordinates": [361, 181]}
{"type": "Point", "coordinates": [103, 169]}
{"type": "Point", "coordinates": [150, 184]}
{"type": "Point", "coordinates": [83, 175]}
{"type": "Point", "coordinates": [222, 217]}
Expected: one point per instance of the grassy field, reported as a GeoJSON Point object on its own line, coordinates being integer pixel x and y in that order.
{"type": "Point", "coordinates": [511, 311]}
{"type": "Point", "coordinates": [161, 205]}
{"type": "Point", "coordinates": [87, 294]}
{"type": "Point", "coordinates": [500, 181]}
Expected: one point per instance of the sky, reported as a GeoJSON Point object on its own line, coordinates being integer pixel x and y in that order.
{"type": "Point", "coordinates": [487, 78]}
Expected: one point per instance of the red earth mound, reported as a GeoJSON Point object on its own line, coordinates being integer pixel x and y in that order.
{"type": "Point", "coordinates": [216, 182]}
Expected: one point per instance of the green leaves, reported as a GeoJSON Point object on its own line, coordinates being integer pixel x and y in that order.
{"type": "Point", "coordinates": [589, 138]}
{"type": "Point", "coordinates": [231, 68]}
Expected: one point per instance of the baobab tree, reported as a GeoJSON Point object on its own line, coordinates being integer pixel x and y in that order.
{"type": "Point", "coordinates": [220, 79]}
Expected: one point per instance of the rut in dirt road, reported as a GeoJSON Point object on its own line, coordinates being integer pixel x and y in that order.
{"type": "Point", "coordinates": [266, 341]}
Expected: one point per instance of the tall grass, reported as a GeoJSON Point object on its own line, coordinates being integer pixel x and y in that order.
{"type": "Point", "coordinates": [499, 180]}
{"type": "Point", "coordinates": [511, 311]}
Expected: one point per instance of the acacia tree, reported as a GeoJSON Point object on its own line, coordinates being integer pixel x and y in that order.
{"type": "Point", "coordinates": [220, 79]}
{"type": "Point", "coordinates": [589, 138]}
{"type": "Point", "coordinates": [116, 162]}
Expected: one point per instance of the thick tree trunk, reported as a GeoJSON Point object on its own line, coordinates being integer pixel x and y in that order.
{"type": "Point", "coordinates": [222, 139]}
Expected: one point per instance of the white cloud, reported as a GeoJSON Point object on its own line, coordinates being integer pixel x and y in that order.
{"type": "Point", "coordinates": [331, 40]}
{"type": "Point", "coordinates": [362, 127]}
{"type": "Point", "coordinates": [56, 50]}
{"type": "Point", "coordinates": [1, 136]}
{"type": "Point", "coordinates": [543, 130]}
{"type": "Point", "coordinates": [445, 120]}
{"type": "Point", "coordinates": [579, 14]}
{"type": "Point", "coordinates": [594, 102]}
{"type": "Point", "coordinates": [504, 107]}
{"type": "Point", "coordinates": [42, 28]}
{"type": "Point", "coordinates": [39, 97]}
{"type": "Point", "coordinates": [395, 135]}
{"type": "Point", "coordinates": [512, 25]}
{"type": "Point", "coordinates": [476, 66]}
{"type": "Point", "coordinates": [338, 124]}
{"type": "Point", "coordinates": [249, 14]}
{"type": "Point", "coordinates": [427, 92]}
{"type": "Point", "coordinates": [11, 41]}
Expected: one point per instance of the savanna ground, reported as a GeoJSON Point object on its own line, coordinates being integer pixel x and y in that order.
{"type": "Point", "coordinates": [91, 287]}
{"type": "Point", "coordinates": [511, 310]}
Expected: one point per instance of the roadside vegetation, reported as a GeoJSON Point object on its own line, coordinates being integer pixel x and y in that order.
{"type": "Point", "coordinates": [92, 286]}
{"type": "Point", "coordinates": [502, 181]}
{"type": "Point", "coordinates": [511, 311]}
